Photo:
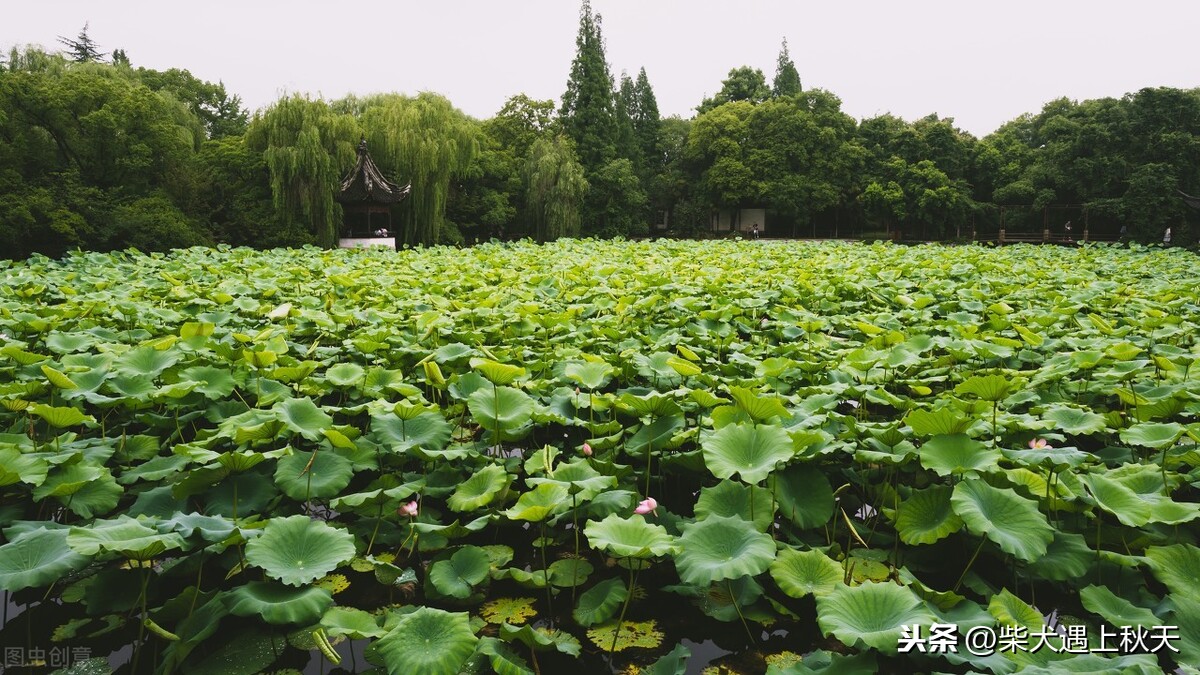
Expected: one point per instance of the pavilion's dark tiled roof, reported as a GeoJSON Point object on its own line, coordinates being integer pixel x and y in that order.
{"type": "Point", "coordinates": [365, 183]}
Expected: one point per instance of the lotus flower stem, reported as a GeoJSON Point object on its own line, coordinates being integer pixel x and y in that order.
{"type": "Point", "coordinates": [968, 567]}
{"type": "Point", "coordinates": [546, 574]}
{"type": "Point", "coordinates": [649, 449]}
{"type": "Point", "coordinates": [575, 531]}
{"type": "Point", "coordinates": [738, 609]}
{"type": "Point", "coordinates": [141, 641]}
{"type": "Point", "coordinates": [628, 597]}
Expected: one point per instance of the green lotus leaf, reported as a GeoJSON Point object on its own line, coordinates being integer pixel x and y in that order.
{"type": "Point", "coordinates": [1118, 500]}
{"type": "Point", "coordinates": [926, 516]}
{"type": "Point", "coordinates": [589, 374]}
{"type": "Point", "coordinates": [243, 652]}
{"type": "Point", "coordinates": [1010, 610]}
{"type": "Point", "coordinates": [1115, 610]}
{"type": "Point", "coordinates": [750, 451]}
{"type": "Point", "coordinates": [480, 489]}
{"type": "Point", "coordinates": [579, 478]}
{"type": "Point", "coordinates": [719, 548]}
{"type": "Point", "coordinates": [37, 559]}
{"type": "Point", "coordinates": [58, 378]}
{"type": "Point", "coordinates": [1067, 557]}
{"type": "Point", "coordinates": [298, 550]}
{"type": "Point", "coordinates": [656, 434]}
{"type": "Point", "coordinates": [208, 528]}
{"type": "Point", "coordinates": [503, 408]}
{"type": "Point", "coordinates": [215, 383]}
{"type": "Point", "coordinates": [541, 639]}
{"type": "Point", "coordinates": [630, 537]}
{"type": "Point", "coordinates": [508, 610]}
{"type": "Point", "coordinates": [18, 467]}
{"type": "Point", "coordinates": [943, 421]}
{"type": "Point", "coordinates": [651, 404]}
{"type": "Point", "coordinates": [684, 368]}
{"type": "Point", "coordinates": [569, 572]}
{"type": "Point", "coordinates": [428, 641]}
{"type": "Point", "coordinates": [1013, 522]}
{"type": "Point", "coordinates": [497, 373]}
{"type": "Point", "coordinates": [1153, 435]}
{"type": "Point", "coordinates": [540, 503]}
{"type": "Point", "coordinates": [805, 496]}
{"type": "Point", "coordinates": [154, 470]}
{"type": "Point", "coordinates": [632, 634]}
{"type": "Point", "coordinates": [1075, 421]}
{"type": "Point", "coordinates": [728, 498]}
{"type": "Point", "coordinates": [345, 374]}
{"type": "Point", "coordinates": [870, 614]}
{"type": "Point", "coordinates": [278, 604]}
{"type": "Point", "coordinates": [1187, 617]}
{"type": "Point", "coordinates": [1178, 567]}
{"type": "Point", "coordinates": [957, 454]}
{"type": "Point", "coordinates": [503, 659]}
{"type": "Point", "coordinates": [673, 662]}
{"type": "Point", "coordinates": [303, 476]}
{"type": "Point", "coordinates": [600, 602]}
{"type": "Point", "coordinates": [760, 408]}
{"type": "Point", "coordinates": [303, 416]}
{"type": "Point", "coordinates": [146, 361]}
{"type": "Point", "coordinates": [61, 417]}
{"type": "Point", "coordinates": [427, 430]}
{"type": "Point", "coordinates": [986, 387]}
{"type": "Point", "coordinates": [124, 536]}
{"type": "Point", "coordinates": [458, 575]}
{"type": "Point", "coordinates": [355, 624]}
{"type": "Point", "coordinates": [799, 573]}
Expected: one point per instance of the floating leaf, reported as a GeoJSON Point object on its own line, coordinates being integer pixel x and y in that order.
{"type": "Point", "coordinates": [508, 610]}
{"type": "Point", "coordinates": [633, 634]}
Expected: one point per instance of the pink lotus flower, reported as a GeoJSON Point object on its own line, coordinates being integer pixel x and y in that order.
{"type": "Point", "coordinates": [410, 509]}
{"type": "Point", "coordinates": [587, 450]}
{"type": "Point", "coordinates": [647, 505]}
{"type": "Point", "coordinates": [1039, 444]}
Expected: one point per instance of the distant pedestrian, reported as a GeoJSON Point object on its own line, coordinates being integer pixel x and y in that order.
{"type": "Point", "coordinates": [755, 230]}
{"type": "Point", "coordinates": [1070, 239]}
{"type": "Point", "coordinates": [1167, 237]}
{"type": "Point", "coordinates": [1124, 233]}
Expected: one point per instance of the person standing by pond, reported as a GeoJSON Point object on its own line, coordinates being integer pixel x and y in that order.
{"type": "Point", "coordinates": [755, 230]}
{"type": "Point", "coordinates": [1167, 237]}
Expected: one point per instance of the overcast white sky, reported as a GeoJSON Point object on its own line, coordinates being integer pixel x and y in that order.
{"type": "Point", "coordinates": [982, 63]}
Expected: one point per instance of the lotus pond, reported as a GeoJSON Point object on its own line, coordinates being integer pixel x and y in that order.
{"type": "Point", "coordinates": [649, 457]}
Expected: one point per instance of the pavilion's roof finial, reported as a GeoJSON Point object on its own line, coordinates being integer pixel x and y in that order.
{"type": "Point", "coordinates": [365, 183]}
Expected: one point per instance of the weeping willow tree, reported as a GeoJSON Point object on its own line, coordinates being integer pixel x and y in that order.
{"type": "Point", "coordinates": [307, 146]}
{"type": "Point", "coordinates": [555, 188]}
{"type": "Point", "coordinates": [425, 141]}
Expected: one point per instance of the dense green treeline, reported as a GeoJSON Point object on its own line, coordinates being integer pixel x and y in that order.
{"type": "Point", "coordinates": [108, 155]}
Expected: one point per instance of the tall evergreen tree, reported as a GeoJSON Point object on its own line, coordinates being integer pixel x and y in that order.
{"type": "Point", "coordinates": [647, 125]}
{"type": "Point", "coordinates": [627, 111]}
{"type": "Point", "coordinates": [83, 49]}
{"type": "Point", "coordinates": [588, 112]}
{"type": "Point", "coordinates": [787, 78]}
